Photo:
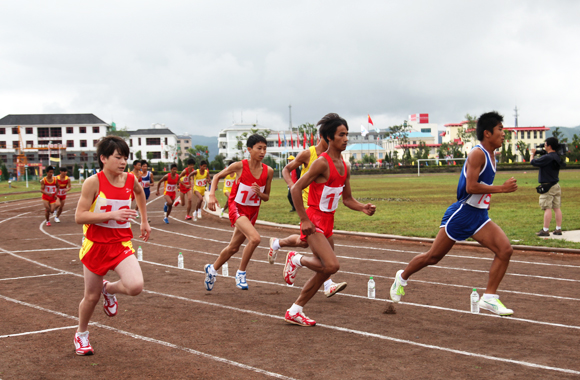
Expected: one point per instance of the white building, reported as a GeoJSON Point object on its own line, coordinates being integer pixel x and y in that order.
{"type": "Point", "coordinates": [67, 138]}
{"type": "Point", "coordinates": [157, 142]}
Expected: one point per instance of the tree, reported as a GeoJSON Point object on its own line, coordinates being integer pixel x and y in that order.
{"type": "Point", "coordinates": [218, 162]}
{"type": "Point", "coordinates": [352, 160]}
{"type": "Point", "coordinates": [407, 157]}
{"type": "Point", "coordinates": [395, 157]}
{"type": "Point", "coordinates": [310, 129]}
{"type": "Point", "coordinates": [199, 152]}
{"type": "Point", "coordinates": [401, 133]}
{"type": "Point", "coordinates": [509, 154]}
{"type": "Point", "coordinates": [149, 156]}
{"type": "Point", "coordinates": [86, 170]}
{"type": "Point", "coordinates": [242, 138]}
{"type": "Point", "coordinates": [179, 164]}
{"type": "Point", "coordinates": [527, 155]}
{"type": "Point", "coordinates": [522, 147]}
{"type": "Point", "coordinates": [76, 171]}
{"type": "Point", "coordinates": [5, 174]}
{"type": "Point", "coordinates": [119, 132]}
{"type": "Point", "coordinates": [270, 161]}
{"type": "Point", "coordinates": [559, 135]}
{"type": "Point", "coordinates": [138, 155]}
{"type": "Point", "coordinates": [468, 133]}
{"type": "Point", "coordinates": [422, 151]}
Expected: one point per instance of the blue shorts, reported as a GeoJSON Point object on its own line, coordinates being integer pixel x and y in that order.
{"type": "Point", "coordinates": [147, 192]}
{"type": "Point", "coordinates": [463, 221]}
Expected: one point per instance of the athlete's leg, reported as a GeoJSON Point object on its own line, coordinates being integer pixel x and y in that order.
{"type": "Point", "coordinates": [169, 203]}
{"type": "Point", "coordinates": [441, 246]}
{"type": "Point", "coordinates": [47, 208]}
{"type": "Point", "coordinates": [493, 237]}
{"type": "Point", "coordinates": [246, 227]}
{"type": "Point", "coordinates": [93, 288]}
{"type": "Point", "coordinates": [324, 263]}
{"type": "Point", "coordinates": [60, 208]}
{"type": "Point", "coordinates": [198, 199]}
{"type": "Point", "coordinates": [231, 249]}
{"type": "Point", "coordinates": [131, 278]}
{"type": "Point", "coordinates": [189, 202]}
{"type": "Point", "coordinates": [292, 241]}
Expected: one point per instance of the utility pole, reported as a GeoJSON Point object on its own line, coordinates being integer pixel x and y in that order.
{"type": "Point", "coordinates": [516, 115]}
{"type": "Point", "coordinates": [290, 111]}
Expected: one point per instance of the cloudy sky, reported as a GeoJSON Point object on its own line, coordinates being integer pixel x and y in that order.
{"type": "Point", "coordinates": [199, 66]}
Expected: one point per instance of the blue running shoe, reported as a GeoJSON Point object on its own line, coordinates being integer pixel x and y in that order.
{"type": "Point", "coordinates": [166, 220]}
{"type": "Point", "coordinates": [209, 278]}
{"type": "Point", "coordinates": [241, 280]}
{"type": "Point", "coordinates": [165, 207]}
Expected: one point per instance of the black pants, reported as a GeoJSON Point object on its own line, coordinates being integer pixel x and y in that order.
{"type": "Point", "coordinates": [290, 200]}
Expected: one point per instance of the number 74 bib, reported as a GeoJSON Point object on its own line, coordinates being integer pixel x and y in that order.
{"type": "Point", "coordinates": [246, 195]}
{"type": "Point", "coordinates": [329, 198]}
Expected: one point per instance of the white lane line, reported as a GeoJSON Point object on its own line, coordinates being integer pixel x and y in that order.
{"type": "Point", "coordinates": [14, 217]}
{"type": "Point", "coordinates": [39, 331]}
{"type": "Point", "coordinates": [152, 340]}
{"type": "Point", "coordinates": [443, 267]}
{"type": "Point", "coordinates": [389, 249]}
{"type": "Point", "coordinates": [37, 276]}
{"type": "Point", "coordinates": [41, 227]}
{"type": "Point", "coordinates": [44, 250]}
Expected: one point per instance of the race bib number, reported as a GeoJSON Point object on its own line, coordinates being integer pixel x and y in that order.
{"type": "Point", "coordinates": [201, 182]}
{"type": "Point", "coordinates": [479, 201]}
{"type": "Point", "coordinates": [110, 205]}
{"type": "Point", "coordinates": [62, 192]}
{"type": "Point", "coordinates": [247, 197]}
{"type": "Point", "coordinates": [229, 182]}
{"type": "Point", "coordinates": [170, 188]}
{"type": "Point", "coordinates": [329, 198]}
{"type": "Point", "coordinates": [185, 180]}
{"type": "Point", "coordinates": [50, 189]}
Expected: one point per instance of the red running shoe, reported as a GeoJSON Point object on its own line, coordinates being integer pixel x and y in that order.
{"type": "Point", "coordinates": [299, 319]}
{"type": "Point", "coordinates": [188, 217]}
{"type": "Point", "coordinates": [290, 269]}
{"type": "Point", "coordinates": [109, 301]}
{"type": "Point", "coordinates": [48, 224]}
{"type": "Point", "coordinates": [82, 345]}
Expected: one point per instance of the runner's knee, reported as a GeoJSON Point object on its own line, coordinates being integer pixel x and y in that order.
{"type": "Point", "coordinates": [134, 288]}
{"type": "Point", "coordinates": [255, 239]}
{"type": "Point", "coordinates": [331, 268]}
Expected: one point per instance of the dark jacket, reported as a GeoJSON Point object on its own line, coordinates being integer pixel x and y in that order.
{"type": "Point", "coordinates": [549, 165]}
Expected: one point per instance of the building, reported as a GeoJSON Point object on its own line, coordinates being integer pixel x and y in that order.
{"type": "Point", "coordinates": [359, 150]}
{"type": "Point", "coordinates": [183, 145]}
{"type": "Point", "coordinates": [531, 136]}
{"type": "Point", "coordinates": [415, 139]}
{"type": "Point", "coordinates": [66, 139]}
{"type": "Point", "coordinates": [156, 144]}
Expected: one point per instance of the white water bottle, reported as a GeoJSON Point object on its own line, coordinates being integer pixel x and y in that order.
{"type": "Point", "coordinates": [474, 302]}
{"type": "Point", "coordinates": [139, 254]}
{"type": "Point", "coordinates": [225, 270]}
{"type": "Point", "coordinates": [371, 288]}
{"type": "Point", "coordinates": [180, 261]}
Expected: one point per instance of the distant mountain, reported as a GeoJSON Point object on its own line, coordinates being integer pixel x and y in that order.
{"type": "Point", "coordinates": [211, 142]}
{"type": "Point", "coordinates": [566, 132]}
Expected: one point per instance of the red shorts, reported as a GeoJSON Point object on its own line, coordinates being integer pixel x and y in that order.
{"type": "Point", "coordinates": [50, 200]}
{"type": "Point", "coordinates": [172, 195]}
{"type": "Point", "coordinates": [323, 222]}
{"type": "Point", "coordinates": [237, 211]}
{"type": "Point", "coordinates": [61, 197]}
{"type": "Point", "coordinates": [184, 189]}
{"type": "Point", "coordinates": [100, 258]}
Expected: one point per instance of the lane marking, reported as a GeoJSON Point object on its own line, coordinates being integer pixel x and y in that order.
{"type": "Point", "coordinates": [44, 250]}
{"type": "Point", "coordinates": [39, 331]}
{"type": "Point", "coordinates": [152, 340]}
{"type": "Point", "coordinates": [14, 217]}
{"type": "Point", "coordinates": [37, 276]}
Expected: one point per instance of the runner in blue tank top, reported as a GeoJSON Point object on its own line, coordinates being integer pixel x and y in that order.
{"type": "Point", "coordinates": [468, 216]}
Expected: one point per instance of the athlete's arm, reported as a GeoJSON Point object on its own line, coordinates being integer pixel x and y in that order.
{"type": "Point", "coordinates": [352, 203]}
{"type": "Point", "coordinates": [68, 186]}
{"type": "Point", "coordinates": [183, 173]}
{"type": "Point", "coordinates": [319, 172]}
{"type": "Point", "coordinates": [142, 204]}
{"type": "Point", "coordinates": [302, 158]}
{"type": "Point", "coordinates": [160, 182]}
{"type": "Point", "coordinates": [233, 168]}
{"type": "Point", "coordinates": [265, 196]}
{"type": "Point", "coordinates": [152, 181]}
{"type": "Point", "coordinates": [89, 192]}
{"type": "Point", "coordinates": [475, 163]}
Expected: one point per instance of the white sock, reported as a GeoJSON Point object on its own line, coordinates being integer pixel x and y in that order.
{"type": "Point", "coordinates": [83, 334]}
{"type": "Point", "coordinates": [558, 227]}
{"type": "Point", "coordinates": [296, 260]}
{"type": "Point", "coordinates": [212, 270]}
{"type": "Point", "coordinates": [327, 284]}
{"type": "Point", "coordinates": [239, 271]}
{"type": "Point", "coordinates": [546, 229]}
{"type": "Point", "coordinates": [489, 296]}
{"type": "Point", "coordinates": [402, 281]}
{"type": "Point", "coordinates": [295, 309]}
{"type": "Point", "coordinates": [276, 244]}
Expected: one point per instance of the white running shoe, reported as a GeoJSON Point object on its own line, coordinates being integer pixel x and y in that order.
{"type": "Point", "coordinates": [397, 289]}
{"type": "Point", "coordinates": [195, 216]}
{"type": "Point", "coordinates": [495, 306]}
{"type": "Point", "coordinates": [222, 213]}
{"type": "Point", "coordinates": [272, 253]}
{"type": "Point", "coordinates": [334, 288]}
{"type": "Point", "coordinates": [199, 214]}
{"type": "Point", "coordinates": [56, 219]}
{"type": "Point", "coordinates": [55, 212]}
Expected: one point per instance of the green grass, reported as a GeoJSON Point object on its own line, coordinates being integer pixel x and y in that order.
{"type": "Point", "coordinates": [413, 206]}
{"type": "Point", "coordinates": [33, 190]}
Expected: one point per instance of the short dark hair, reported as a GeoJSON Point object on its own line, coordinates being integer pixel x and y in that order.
{"type": "Point", "coordinates": [144, 162]}
{"type": "Point", "coordinates": [49, 169]}
{"type": "Point", "coordinates": [254, 139]}
{"type": "Point", "coordinates": [63, 169]}
{"type": "Point", "coordinates": [173, 166]}
{"type": "Point", "coordinates": [328, 125]}
{"type": "Point", "coordinates": [487, 122]}
{"type": "Point", "coordinates": [203, 162]}
{"type": "Point", "coordinates": [108, 145]}
{"type": "Point", "coordinates": [191, 161]}
{"type": "Point", "coordinates": [136, 162]}
{"type": "Point", "coordinates": [553, 142]}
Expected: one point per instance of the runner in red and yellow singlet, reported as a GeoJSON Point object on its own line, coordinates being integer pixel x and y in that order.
{"type": "Point", "coordinates": [171, 179]}
{"type": "Point", "coordinates": [185, 193]}
{"type": "Point", "coordinates": [48, 188]}
{"type": "Point", "coordinates": [199, 178]}
{"type": "Point", "coordinates": [105, 209]}
{"type": "Point", "coordinates": [329, 179]}
{"type": "Point", "coordinates": [64, 184]}
{"type": "Point", "coordinates": [249, 190]}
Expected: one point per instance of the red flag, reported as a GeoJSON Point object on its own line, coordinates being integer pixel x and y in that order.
{"type": "Point", "coordinates": [297, 140]}
{"type": "Point", "coordinates": [279, 141]}
{"type": "Point", "coordinates": [370, 120]}
{"type": "Point", "coordinates": [304, 140]}
{"type": "Point", "coordinates": [291, 141]}
{"type": "Point", "coordinates": [311, 139]}
{"type": "Point", "coordinates": [454, 163]}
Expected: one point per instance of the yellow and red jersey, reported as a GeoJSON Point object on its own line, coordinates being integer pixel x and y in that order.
{"type": "Point", "coordinates": [51, 188]}
{"type": "Point", "coordinates": [62, 185]}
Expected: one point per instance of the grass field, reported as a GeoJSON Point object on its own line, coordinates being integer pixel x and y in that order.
{"type": "Point", "coordinates": [26, 192]}
{"type": "Point", "coordinates": [413, 206]}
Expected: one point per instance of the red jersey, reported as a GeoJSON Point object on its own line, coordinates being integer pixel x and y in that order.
{"type": "Point", "coordinates": [49, 187]}
{"type": "Point", "coordinates": [185, 181]}
{"type": "Point", "coordinates": [171, 184]}
{"type": "Point", "coordinates": [111, 198]}
{"type": "Point", "coordinates": [62, 184]}
{"type": "Point", "coordinates": [325, 196]}
{"type": "Point", "coordinates": [243, 201]}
